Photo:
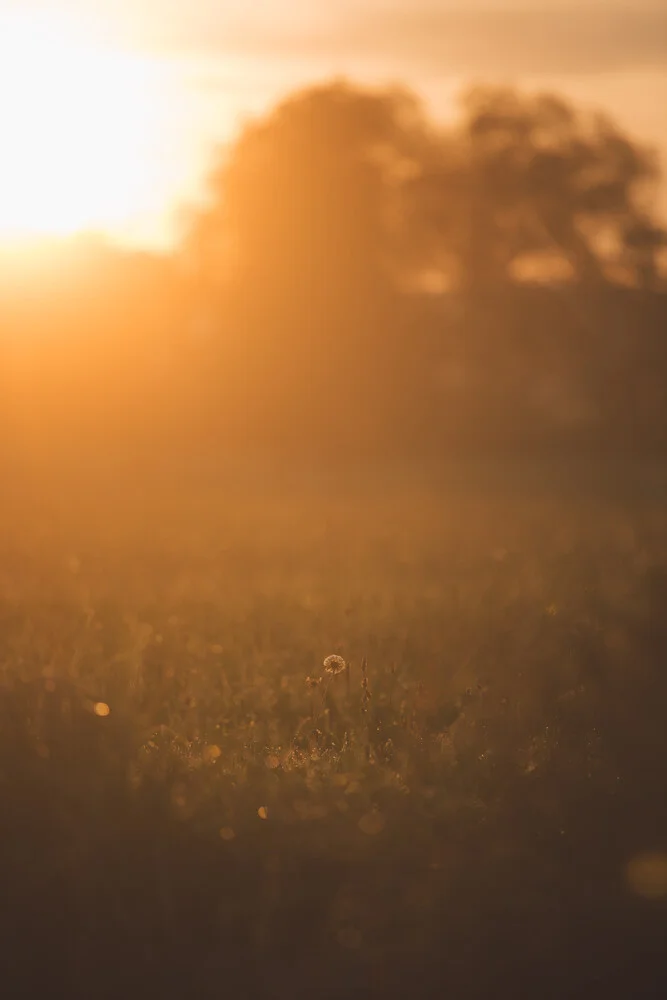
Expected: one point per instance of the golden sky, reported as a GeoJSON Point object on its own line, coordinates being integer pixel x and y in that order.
{"type": "Point", "coordinates": [111, 108]}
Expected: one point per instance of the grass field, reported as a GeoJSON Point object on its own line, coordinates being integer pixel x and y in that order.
{"type": "Point", "coordinates": [192, 806]}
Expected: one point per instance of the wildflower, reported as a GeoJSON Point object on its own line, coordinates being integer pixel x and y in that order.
{"type": "Point", "coordinates": [312, 682]}
{"type": "Point", "coordinates": [334, 664]}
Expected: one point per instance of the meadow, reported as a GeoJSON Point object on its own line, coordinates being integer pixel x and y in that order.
{"type": "Point", "coordinates": [473, 802]}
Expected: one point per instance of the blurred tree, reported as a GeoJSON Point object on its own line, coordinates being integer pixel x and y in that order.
{"type": "Point", "coordinates": [527, 175]}
{"type": "Point", "coordinates": [326, 209]}
{"type": "Point", "coordinates": [305, 201]}
{"type": "Point", "coordinates": [339, 193]}
{"type": "Point", "coordinates": [643, 240]}
{"type": "Point", "coordinates": [303, 231]}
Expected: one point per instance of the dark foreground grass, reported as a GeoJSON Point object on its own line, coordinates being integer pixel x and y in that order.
{"type": "Point", "coordinates": [191, 806]}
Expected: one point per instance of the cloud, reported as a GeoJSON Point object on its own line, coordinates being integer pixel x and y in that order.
{"type": "Point", "coordinates": [524, 42]}
{"type": "Point", "coordinates": [545, 41]}
{"type": "Point", "coordinates": [468, 41]}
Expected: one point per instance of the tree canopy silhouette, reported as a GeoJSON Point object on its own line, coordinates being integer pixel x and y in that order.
{"type": "Point", "coordinates": [325, 210]}
{"type": "Point", "coordinates": [302, 235]}
{"type": "Point", "coordinates": [306, 197]}
{"type": "Point", "coordinates": [341, 192]}
{"type": "Point", "coordinates": [527, 175]}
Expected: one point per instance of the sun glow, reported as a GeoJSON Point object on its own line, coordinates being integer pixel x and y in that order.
{"type": "Point", "coordinates": [80, 127]}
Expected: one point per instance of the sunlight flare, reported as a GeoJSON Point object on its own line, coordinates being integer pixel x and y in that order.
{"type": "Point", "coordinates": [80, 126]}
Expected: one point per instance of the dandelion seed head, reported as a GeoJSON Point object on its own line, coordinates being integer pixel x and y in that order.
{"type": "Point", "coordinates": [334, 664]}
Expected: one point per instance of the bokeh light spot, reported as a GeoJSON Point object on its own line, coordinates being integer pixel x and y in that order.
{"type": "Point", "coordinates": [647, 875]}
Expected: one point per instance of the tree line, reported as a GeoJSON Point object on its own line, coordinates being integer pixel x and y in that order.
{"type": "Point", "coordinates": [361, 276]}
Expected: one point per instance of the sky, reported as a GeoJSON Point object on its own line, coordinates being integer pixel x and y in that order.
{"type": "Point", "coordinates": [216, 62]}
